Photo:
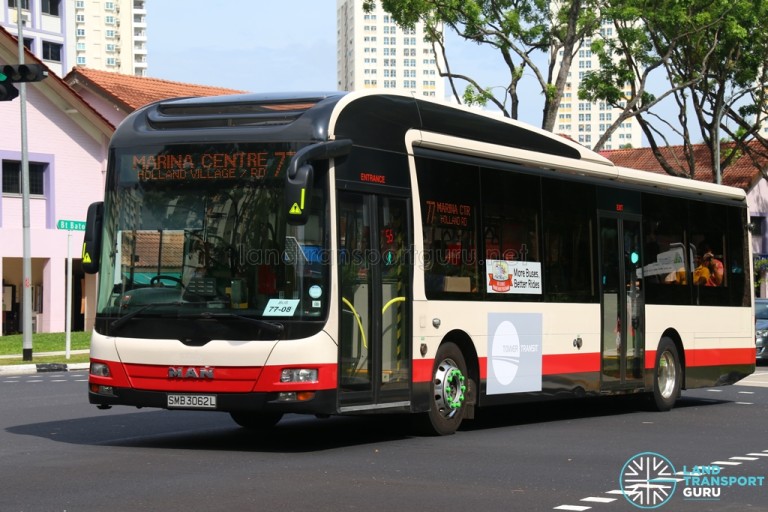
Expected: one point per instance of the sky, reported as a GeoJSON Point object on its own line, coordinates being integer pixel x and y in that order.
{"type": "Point", "coordinates": [274, 46]}
{"type": "Point", "coordinates": [252, 45]}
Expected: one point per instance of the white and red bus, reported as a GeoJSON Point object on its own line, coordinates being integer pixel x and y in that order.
{"type": "Point", "coordinates": [361, 253]}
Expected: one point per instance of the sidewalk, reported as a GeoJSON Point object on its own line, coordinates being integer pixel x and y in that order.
{"type": "Point", "coordinates": [18, 369]}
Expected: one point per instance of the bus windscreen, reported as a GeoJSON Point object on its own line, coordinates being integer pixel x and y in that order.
{"type": "Point", "coordinates": [197, 229]}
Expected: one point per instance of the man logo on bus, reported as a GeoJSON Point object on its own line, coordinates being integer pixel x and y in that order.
{"type": "Point", "coordinates": [189, 372]}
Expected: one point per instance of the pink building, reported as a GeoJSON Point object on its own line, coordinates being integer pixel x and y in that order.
{"type": "Point", "coordinates": [66, 141]}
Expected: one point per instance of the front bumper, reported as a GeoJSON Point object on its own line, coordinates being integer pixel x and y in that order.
{"type": "Point", "coordinates": [324, 401]}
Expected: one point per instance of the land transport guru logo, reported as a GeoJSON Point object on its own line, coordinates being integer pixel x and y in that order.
{"type": "Point", "coordinates": [649, 480]}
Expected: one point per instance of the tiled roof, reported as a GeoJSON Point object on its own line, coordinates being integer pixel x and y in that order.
{"type": "Point", "coordinates": [742, 173]}
{"type": "Point", "coordinates": [91, 116]}
{"type": "Point", "coordinates": [136, 91]}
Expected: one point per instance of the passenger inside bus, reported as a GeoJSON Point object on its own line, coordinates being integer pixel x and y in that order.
{"type": "Point", "coordinates": [709, 270]}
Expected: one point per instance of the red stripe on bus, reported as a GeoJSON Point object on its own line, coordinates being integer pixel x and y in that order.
{"type": "Point", "coordinates": [710, 357]}
{"type": "Point", "coordinates": [552, 364]}
{"type": "Point", "coordinates": [555, 364]}
{"type": "Point", "coordinates": [267, 379]}
{"type": "Point", "coordinates": [422, 370]}
{"type": "Point", "coordinates": [192, 378]}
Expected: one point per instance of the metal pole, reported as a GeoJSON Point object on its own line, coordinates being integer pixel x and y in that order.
{"type": "Point", "coordinates": [26, 307]}
{"type": "Point", "coordinates": [68, 320]}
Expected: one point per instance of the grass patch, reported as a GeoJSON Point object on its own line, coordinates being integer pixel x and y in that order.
{"type": "Point", "coordinates": [73, 358]}
{"type": "Point", "coordinates": [45, 342]}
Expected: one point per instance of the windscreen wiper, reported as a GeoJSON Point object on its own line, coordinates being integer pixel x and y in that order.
{"type": "Point", "coordinates": [123, 319]}
{"type": "Point", "coordinates": [273, 327]}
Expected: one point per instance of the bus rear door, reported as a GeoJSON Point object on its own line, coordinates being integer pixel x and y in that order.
{"type": "Point", "coordinates": [623, 344]}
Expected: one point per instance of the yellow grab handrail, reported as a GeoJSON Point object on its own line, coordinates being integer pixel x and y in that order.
{"type": "Point", "coordinates": [357, 317]}
{"type": "Point", "coordinates": [392, 301]}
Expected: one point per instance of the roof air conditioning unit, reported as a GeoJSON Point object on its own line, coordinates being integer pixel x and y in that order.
{"type": "Point", "coordinates": [25, 18]}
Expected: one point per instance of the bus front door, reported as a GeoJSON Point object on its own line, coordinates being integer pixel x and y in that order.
{"type": "Point", "coordinates": [621, 295]}
{"type": "Point", "coordinates": [374, 294]}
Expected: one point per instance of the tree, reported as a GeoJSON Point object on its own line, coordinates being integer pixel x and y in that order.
{"type": "Point", "coordinates": [711, 54]}
{"type": "Point", "coordinates": [708, 59]}
{"type": "Point", "coordinates": [518, 29]}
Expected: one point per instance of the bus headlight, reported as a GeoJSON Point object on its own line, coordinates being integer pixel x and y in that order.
{"type": "Point", "coordinates": [298, 375]}
{"type": "Point", "coordinates": [100, 370]}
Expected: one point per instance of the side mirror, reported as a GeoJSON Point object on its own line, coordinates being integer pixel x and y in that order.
{"type": "Point", "coordinates": [298, 191]}
{"type": "Point", "coordinates": [300, 174]}
{"type": "Point", "coordinates": [92, 238]}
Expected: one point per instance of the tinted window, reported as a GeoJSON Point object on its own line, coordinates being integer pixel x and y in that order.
{"type": "Point", "coordinates": [449, 195]}
{"type": "Point", "coordinates": [569, 231]}
{"type": "Point", "coordinates": [667, 254]}
{"type": "Point", "coordinates": [694, 252]}
{"type": "Point", "coordinates": [511, 229]}
{"type": "Point", "coordinates": [707, 241]}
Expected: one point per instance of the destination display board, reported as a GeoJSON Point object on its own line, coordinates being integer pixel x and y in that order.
{"type": "Point", "coordinates": [189, 163]}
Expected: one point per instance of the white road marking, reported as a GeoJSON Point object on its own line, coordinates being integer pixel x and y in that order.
{"type": "Point", "coordinates": [597, 499]}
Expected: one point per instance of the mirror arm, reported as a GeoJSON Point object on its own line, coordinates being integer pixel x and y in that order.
{"type": "Point", "coordinates": [319, 151]}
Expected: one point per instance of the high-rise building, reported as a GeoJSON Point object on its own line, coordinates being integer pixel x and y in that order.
{"type": "Point", "coordinates": [586, 122]}
{"type": "Point", "coordinates": [375, 53]}
{"type": "Point", "coordinates": [110, 35]}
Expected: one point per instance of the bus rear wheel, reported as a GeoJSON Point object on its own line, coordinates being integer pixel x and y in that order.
{"type": "Point", "coordinates": [667, 376]}
{"type": "Point", "coordinates": [449, 389]}
{"type": "Point", "coordinates": [256, 420]}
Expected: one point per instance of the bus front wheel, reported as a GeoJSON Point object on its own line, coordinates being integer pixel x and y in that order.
{"type": "Point", "coordinates": [667, 376]}
{"type": "Point", "coordinates": [256, 420]}
{"type": "Point", "coordinates": [449, 389]}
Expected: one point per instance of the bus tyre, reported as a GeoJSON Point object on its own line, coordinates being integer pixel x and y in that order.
{"type": "Point", "coordinates": [256, 420]}
{"type": "Point", "coordinates": [667, 376]}
{"type": "Point", "coordinates": [449, 389]}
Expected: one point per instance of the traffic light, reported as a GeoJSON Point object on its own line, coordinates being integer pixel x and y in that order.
{"type": "Point", "coordinates": [7, 90]}
{"type": "Point", "coordinates": [13, 73]}
{"type": "Point", "coordinates": [24, 72]}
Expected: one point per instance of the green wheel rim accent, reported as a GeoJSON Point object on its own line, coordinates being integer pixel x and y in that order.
{"type": "Point", "coordinates": [449, 388]}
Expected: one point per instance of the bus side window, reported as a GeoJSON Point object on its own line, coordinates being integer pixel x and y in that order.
{"type": "Point", "coordinates": [667, 255]}
{"type": "Point", "coordinates": [449, 204]}
{"type": "Point", "coordinates": [708, 224]}
{"type": "Point", "coordinates": [511, 203]}
{"type": "Point", "coordinates": [569, 238]}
